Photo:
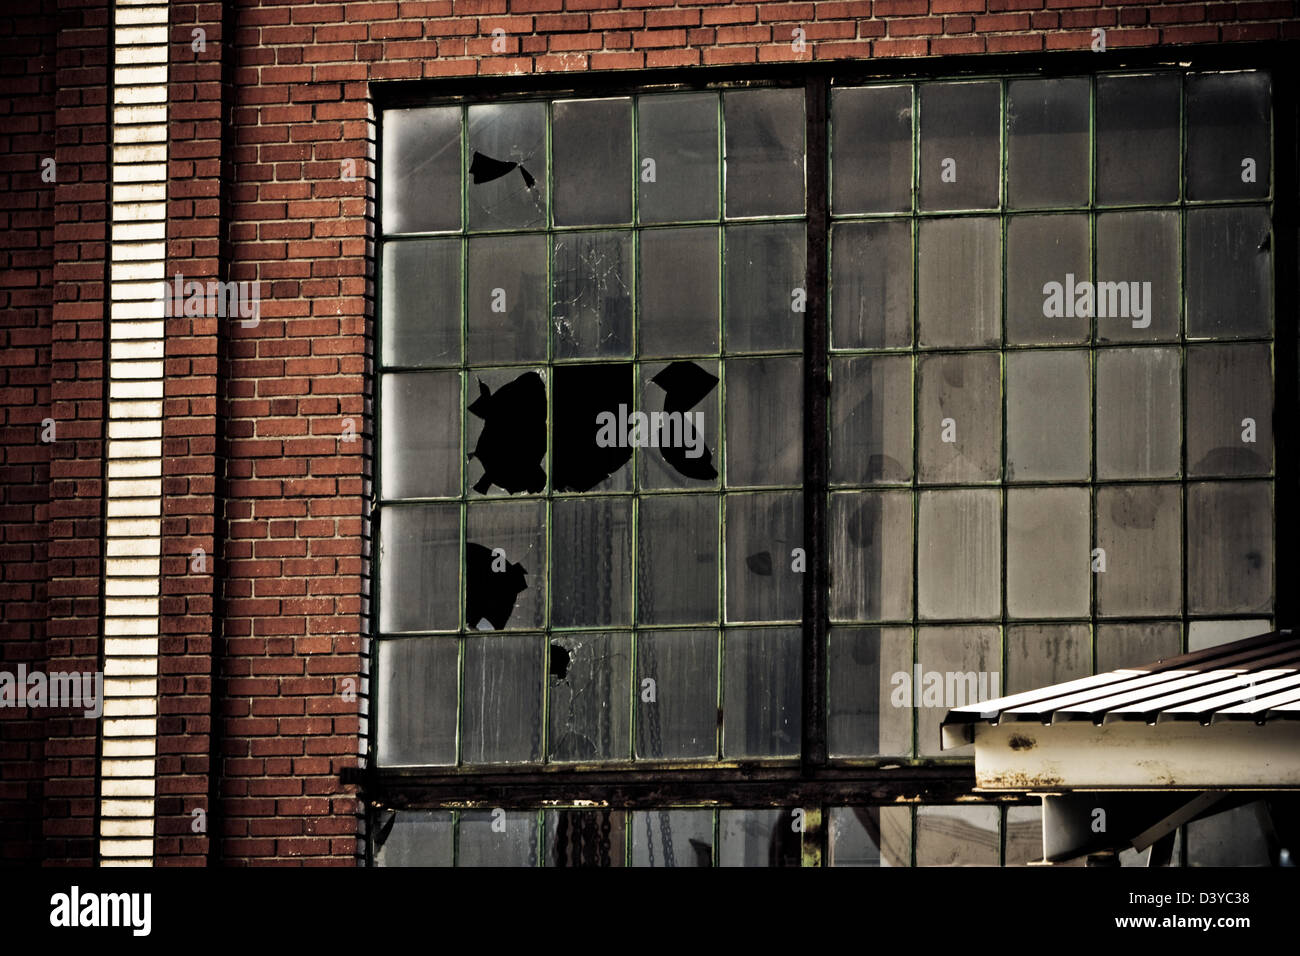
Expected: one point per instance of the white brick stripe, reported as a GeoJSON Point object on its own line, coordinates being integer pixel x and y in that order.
{"type": "Point", "coordinates": [133, 506]}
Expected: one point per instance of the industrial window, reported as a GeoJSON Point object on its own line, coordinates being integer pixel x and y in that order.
{"type": "Point", "coordinates": [693, 403]}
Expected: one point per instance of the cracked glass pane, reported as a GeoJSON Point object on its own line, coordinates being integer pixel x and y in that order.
{"type": "Point", "coordinates": [766, 269]}
{"type": "Point", "coordinates": [420, 170]}
{"type": "Point", "coordinates": [502, 717]}
{"type": "Point", "coordinates": [592, 294]}
{"type": "Point", "coordinates": [507, 188]}
{"type": "Point", "coordinates": [677, 313]}
{"type": "Point", "coordinates": [505, 565]}
{"type": "Point", "coordinates": [1047, 142]}
{"type": "Point", "coordinates": [590, 718]}
{"type": "Point", "coordinates": [420, 454]}
{"type": "Point", "coordinates": [591, 145]}
{"type": "Point", "coordinates": [507, 299]}
{"type": "Point", "coordinates": [678, 132]}
{"type": "Point", "coordinates": [1137, 139]}
{"type": "Point", "coordinates": [418, 678]}
{"type": "Point", "coordinates": [763, 678]}
{"type": "Point", "coordinates": [420, 302]}
{"type": "Point", "coordinates": [871, 149]}
{"type": "Point", "coordinates": [764, 152]}
{"type": "Point", "coordinates": [864, 719]}
{"type": "Point", "coordinates": [591, 548]}
{"type": "Point", "coordinates": [764, 569]}
{"type": "Point", "coordinates": [419, 551]}
{"type": "Point", "coordinates": [677, 569]}
{"type": "Point", "coordinates": [960, 145]}
{"type": "Point", "coordinates": [677, 711]}
{"type": "Point", "coordinates": [872, 285]}
{"type": "Point", "coordinates": [1228, 136]}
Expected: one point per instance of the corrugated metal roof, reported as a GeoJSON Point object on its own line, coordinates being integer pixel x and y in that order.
{"type": "Point", "coordinates": [1257, 679]}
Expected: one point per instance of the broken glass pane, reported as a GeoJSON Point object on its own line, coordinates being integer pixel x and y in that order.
{"type": "Point", "coordinates": [1229, 272]}
{"type": "Point", "coordinates": [677, 688]}
{"type": "Point", "coordinates": [1138, 432]}
{"type": "Point", "coordinates": [505, 565]}
{"type": "Point", "coordinates": [1229, 410]}
{"type": "Point", "coordinates": [678, 309]}
{"type": "Point", "coordinates": [871, 419]}
{"type": "Point", "coordinates": [420, 302]}
{"type": "Point", "coordinates": [592, 430]}
{"type": "Point", "coordinates": [416, 695]}
{"type": "Point", "coordinates": [765, 280]}
{"type": "Point", "coordinates": [871, 149]}
{"type": "Point", "coordinates": [507, 143]}
{"type": "Point", "coordinates": [871, 287]}
{"type": "Point", "coordinates": [1137, 139]}
{"type": "Point", "coordinates": [419, 553]}
{"type": "Point", "coordinates": [591, 145]}
{"type": "Point", "coordinates": [1143, 251]}
{"type": "Point", "coordinates": [764, 429]}
{"type": "Point", "coordinates": [589, 683]}
{"type": "Point", "coordinates": [960, 145]}
{"type": "Point", "coordinates": [1139, 531]}
{"type": "Point", "coordinates": [502, 715]}
{"type": "Point", "coordinates": [871, 556]}
{"type": "Point", "coordinates": [507, 299]}
{"type": "Point", "coordinates": [1047, 257]}
{"type": "Point", "coordinates": [1047, 552]}
{"type": "Point", "coordinates": [591, 548]}
{"type": "Point", "coordinates": [1230, 547]}
{"type": "Point", "coordinates": [592, 294]}
{"type": "Point", "coordinates": [1047, 142]}
{"type": "Point", "coordinates": [1049, 419]}
{"type": "Point", "coordinates": [764, 152]}
{"type": "Point", "coordinates": [865, 667]}
{"type": "Point", "coordinates": [1228, 136]}
{"type": "Point", "coordinates": [420, 453]}
{"type": "Point", "coordinates": [506, 425]}
{"type": "Point", "coordinates": [764, 681]}
{"type": "Point", "coordinates": [677, 552]}
{"type": "Point", "coordinates": [766, 559]}
{"type": "Point", "coordinates": [674, 391]}
{"type": "Point", "coordinates": [959, 276]}
{"type": "Point", "coordinates": [960, 417]}
{"type": "Point", "coordinates": [678, 134]}
{"type": "Point", "coordinates": [959, 554]}
{"type": "Point", "coordinates": [420, 170]}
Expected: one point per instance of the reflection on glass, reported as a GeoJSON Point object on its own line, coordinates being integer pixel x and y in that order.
{"type": "Point", "coordinates": [420, 454]}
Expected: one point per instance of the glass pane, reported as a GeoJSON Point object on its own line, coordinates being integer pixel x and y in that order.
{"type": "Point", "coordinates": [417, 683]}
{"type": "Point", "coordinates": [480, 844]}
{"type": "Point", "coordinates": [871, 419]}
{"type": "Point", "coordinates": [764, 574]}
{"type": "Point", "coordinates": [1047, 262]}
{"type": "Point", "coordinates": [1137, 413]}
{"type": "Point", "coordinates": [871, 286]}
{"type": "Point", "coordinates": [871, 556]}
{"type": "Point", "coordinates": [1039, 655]}
{"type": "Point", "coordinates": [959, 544]}
{"type": "Point", "coordinates": [689, 391]}
{"type": "Point", "coordinates": [591, 548]}
{"type": "Point", "coordinates": [507, 299]}
{"type": "Point", "coordinates": [502, 714]}
{"type": "Point", "coordinates": [958, 836]}
{"type": "Point", "coordinates": [593, 436]}
{"type": "Point", "coordinates": [679, 292]}
{"type": "Point", "coordinates": [760, 701]}
{"type": "Point", "coordinates": [957, 666]}
{"type": "Point", "coordinates": [672, 838]}
{"type": "Point", "coordinates": [1229, 269]}
{"type": "Point", "coordinates": [1203, 634]}
{"type": "Point", "coordinates": [1048, 551]}
{"type": "Point", "coordinates": [420, 452]}
{"type": "Point", "coordinates": [960, 145]}
{"type": "Point", "coordinates": [679, 132]}
{"type": "Point", "coordinates": [420, 170]}
{"type": "Point", "coordinates": [866, 717]}
{"type": "Point", "coordinates": [419, 556]}
{"type": "Point", "coordinates": [1137, 139]}
{"type": "Point", "coordinates": [677, 715]}
{"type": "Point", "coordinates": [1025, 837]}
{"type": "Point", "coordinates": [870, 836]}
{"type": "Point", "coordinates": [1047, 142]}
{"type": "Point", "coordinates": [764, 152]}
{"type": "Point", "coordinates": [1230, 547]}
{"type": "Point", "coordinates": [1229, 410]}
{"type": "Point", "coordinates": [765, 295]}
{"type": "Point", "coordinates": [764, 430]}
{"type": "Point", "coordinates": [592, 294]}
{"type": "Point", "coordinates": [959, 268]}
{"type": "Point", "coordinates": [585, 837]}
{"type": "Point", "coordinates": [1132, 645]}
{"type": "Point", "coordinates": [506, 423]}
{"type": "Point", "coordinates": [1228, 136]}
{"type": "Point", "coordinates": [590, 678]}
{"type": "Point", "coordinates": [757, 838]}
{"type": "Point", "coordinates": [505, 565]}
{"type": "Point", "coordinates": [871, 149]}
{"type": "Point", "coordinates": [1049, 419]}
{"type": "Point", "coordinates": [417, 838]}
{"type": "Point", "coordinates": [420, 302]}
{"type": "Point", "coordinates": [1140, 251]}
{"type": "Point", "coordinates": [677, 555]}
{"type": "Point", "coordinates": [960, 418]}
{"type": "Point", "coordinates": [1139, 529]}
{"type": "Point", "coordinates": [591, 142]}
{"type": "Point", "coordinates": [507, 148]}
